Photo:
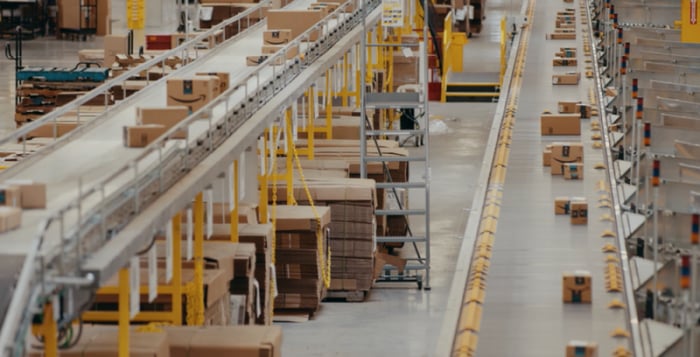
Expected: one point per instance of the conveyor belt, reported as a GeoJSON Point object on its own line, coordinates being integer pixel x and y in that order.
{"type": "Point", "coordinates": [97, 153]}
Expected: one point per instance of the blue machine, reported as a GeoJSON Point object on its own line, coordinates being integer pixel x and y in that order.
{"type": "Point", "coordinates": [78, 73]}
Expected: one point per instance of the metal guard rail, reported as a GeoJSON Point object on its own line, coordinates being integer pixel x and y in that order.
{"type": "Point", "coordinates": [71, 252]}
{"type": "Point", "coordinates": [182, 50]}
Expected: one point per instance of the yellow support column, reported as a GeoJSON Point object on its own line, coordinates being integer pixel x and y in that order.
{"type": "Point", "coordinates": [199, 259]}
{"type": "Point", "coordinates": [329, 104]}
{"type": "Point", "coordinates": [124, 312]}
{"type": "Point", "coordinates": [263, 183]}
{"type": "Point", "coordinates": [289, 165]}
{"type": "Point", "coordinates": [358, 80]}
{"type": "Point", "coordinates": [344, 94]}
{"type": "Point", "coordinates": [310, 129]}
{"type": "Point", "coordinates": [49, 332]}
{"type": "Point", "coordinates": [176, 283]}
{"type": "Point", "coordinates": [234, 212]}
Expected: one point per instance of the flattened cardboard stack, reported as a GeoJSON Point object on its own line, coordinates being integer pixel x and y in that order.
{"type": "Point", "coordinates": [261, 236]}
{"type": "Point", "coordinates": [258, 341]}
{"type": "Point", "coordinates": [352, 202]}
{"type": "Point", "coordinates": [244, 288]}
{"type": "Point", "coordinates": [300, 257]}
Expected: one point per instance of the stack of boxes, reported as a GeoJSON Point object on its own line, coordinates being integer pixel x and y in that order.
{"type": "Point", "coordinates": [565, 26]}
{"type": "Point", "coordinates": [575, 207]}
{"type": "Point", "coordinates": [301, 257]}
{"type": "Point", "coordinates": [283, 26]}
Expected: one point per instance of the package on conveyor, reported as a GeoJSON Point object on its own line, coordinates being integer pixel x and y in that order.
{"type": "Point", "coordinates": [573, 171]}
{"type": "Point", "coordinates": [581, 349]}
{"type": "Point", "coordinates": [578, 211]}
{"type": "Point", "coordinates": [560, 124]}
{"type": "Point", "coordinates": [576, 287]}
{"type": "Point", "coordinates": [277, 37]}
{"type": "Point", "coordinates": [301, 256]}
{"type": "Point", "coordinates": [547, 156]}
{"type": "Point", "coordinates": [32, 194]}
{"type": "Point", "coordinates": [193, 92]}
{"type": "Point", "coordinates": [569, 78]}
{"type": "Point", "coordinates": [352, 227]}
{"type": "Point", "coordinates": [297, 21]}
{"type": "Point", "coordinates": [163, 116]}
{"type": "Point", "coordinates": [10, 218]}
{"type": "Point", "coordinates": [565, 153]}
{"type": "Point", "coordinates": [575, 107]}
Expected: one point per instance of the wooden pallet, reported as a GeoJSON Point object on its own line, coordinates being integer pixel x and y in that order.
{"type": "Point", "coordinates": [347, 295]}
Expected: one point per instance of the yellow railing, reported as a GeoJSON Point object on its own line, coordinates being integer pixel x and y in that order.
{"type": "Point", "coordinates": [504, 37]}
{"type": "Point", "coordinates": [446, 49]}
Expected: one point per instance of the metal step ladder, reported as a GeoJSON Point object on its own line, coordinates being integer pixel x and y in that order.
{"type": "Point", "coordinates": [412, 105]}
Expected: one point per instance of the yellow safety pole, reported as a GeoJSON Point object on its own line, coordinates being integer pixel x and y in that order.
{"type": "Point", "coordinates": [199, 259]}
{"type": "Point", "coordinates": [176, 283]}
{"type": "Point", "coordinates": [358, 80]}
{"type": "Point", "coordinates": [289, 166]}
{"type": "Point", "coordinates": [263, 182]}
{"type": "Point", "coordinates": [233, 225]}
{"type": "Point", "coordinates": [49, 332]}
{"type": "Point", "coordinates": [344, 90]}
{"type": "Point", "coordinates": [124, 312]}
{"type": "Point", "coordinates": [310, 129]}
{"type": "Point", "coordinates": [329, 105]}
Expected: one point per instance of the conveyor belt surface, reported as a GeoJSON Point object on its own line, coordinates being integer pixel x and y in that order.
{"type": "Point", "coordinates": [523, 313]}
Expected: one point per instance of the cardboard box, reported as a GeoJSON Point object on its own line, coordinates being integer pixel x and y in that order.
{"type": "Point", "coordinates": [102, 340]}
{"type": "Point", "coordinates": [573, 171]}
{"type": "Point", "coordinates": [579, 212]}
{"type": "Point", "coordinates": [297, 21]}
{"type": "Point", "coordinates": [567, 107]}
{"type": "Point", "coordinates": [140, 136]}
{"type": "Point", "coordinates": [581, 349]}
{"type": "Point", "coordinates": [571, 78]}
{"type": "Point", "coordinates": [547, 157]}
{"type": "Point", "coordinates": [10, 218]}
{"type": "Point", "coordinates": [33, 194]}
{"type": "Point", "coordinates": [561, 36]}
{"type": "Point", "coordinates": [565, 52]}
{"type": "Point", "coordinates": [256, 60]}
{"type": "Point", "coordinates": [561, 205]}
{"type": "Point", "coordinates": [277, 37]}
{"type": "Point", "coordinates": [584, 110]}
{"type": "Point", "coordinates": [104, 17]}
{"type": "Point", "coordinates": [47, 130]}
{"type": "Point", "coordinates": [301, 218]}
{"type": "Point", "coordinates": [114, 45]}
{"type": "Point", "coordinates": [10, 195]}
{"type": "Point", "coordinates": [292, 51]}
{"type": "Point", "coordinates": [224, 79]}
{"type": "Point", "coordinates": [194, 92]}
{"type": "Point", "coordinates": [168, 117]}
{"type": "Point", "coordinates": [560, 124]}
{"type": "Point", "coordinates": [69, 14]}
{"type": "Point", "coordinates": [331, 6]}
{"type": "Point", "coordinates": [576, 287]}
{"type": "Point", "coordinates": [243, 341]}
{"type": "Point", "coordinates": [565, 153]}
{"type": "Point", "coordinates": [559, 61]}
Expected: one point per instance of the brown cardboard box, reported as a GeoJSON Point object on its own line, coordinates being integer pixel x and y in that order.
{"type": "Point", "coordinates": [560, 124]}
{"type": "Point", "coordinates": [242, 341]}
{"type": "Point", "coordinates": [277, 37]}
{"type": "Point", "coordinates": [10, 218]}
{"type": "Point", "coordinates": [566, 52]}
{"type": "Point", "coordinates": [10, 195]}
{"type": "Point", "coordinates": [579, 212]}
{"type": "Point", "coordinates": [165, 116]}
{"type": "Point", "coordinates": [567, 107]}
{"type": "Point", "coordinates": [297, 21]}
{"type": "Point", "coordinates": [114, 45]}
{"type": "Point", "coordinates": [561, 36]}
{"type": "Point", "coordinates": [292, 51]}
{"type": "Point", "coordinates": [301, 218]}
{"type": "Point", "coordinates": [101, 341]}
{"type": "Point", "coordinates": [564, 153]}
{"type": "Point", "coordinates": [47, 130]}
{"type": "Point", "coordinates": [331, 6]}
{"type": "Point", "coordinates": [140, 136]}
{"type": "Point", "coordinates": [576, 287]}
{"type": "Point", "coordinates": [224, 79]}
{"type": "Point", "coordinates": [561, 205]}
{"type": "Point", "coordinates": [559, 61]}
{"type": "Point", "coordinates": [570, 78]}
{"type": "Point", "coordinates": [325, 10]}
{"type": "Point", "coordinates": [69, 14]}
{"type": "Point", "coordinates": [581, 349]}
{"type": "Point", "coordinates": [547, 157]}
{"type": "Point", "coordinates": [33, 193]}
{"type": "Point", "coordinates": [573, 171]}
{"type": "Point", "coordinates": [194, 92]}
{"type": "Point", "coordinates": [104, 17]}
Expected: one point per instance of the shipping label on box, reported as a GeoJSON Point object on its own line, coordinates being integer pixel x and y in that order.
{"type": "Point", "coordinates": [561, 205]}
{"type": "Point", "coordinates": [194, 93]}
{"type": "Point", "coordinates": [566, 78]}
{"type": "Point", "coordinates": [277, 37]}
{"type": "Point", "coordinates": [573, 171]}
{"type": "Point", "coordinates": [560, 124]}
{"type": "Point", "coordinates": [576, 287]}
{"type": "Point", "coordinates": [578, 212]}
{"type": "Point", "coordinates": [565, 153]}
